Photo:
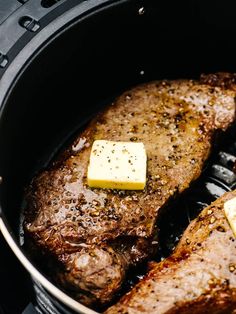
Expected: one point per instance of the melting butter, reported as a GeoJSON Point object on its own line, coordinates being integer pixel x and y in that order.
{"type": "Point", "coordinates": [117, 165]}
{"type": "Point", "coordinates": [230, 213]}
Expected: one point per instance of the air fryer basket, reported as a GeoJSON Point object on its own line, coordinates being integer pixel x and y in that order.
{"type": "Point", "coordinates": [65, 60]}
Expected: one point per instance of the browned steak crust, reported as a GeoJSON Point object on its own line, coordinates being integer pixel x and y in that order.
{"type": "Point", "coordinates": [200, 276]}
{"type": "Point", "coordinates": [176, 120]}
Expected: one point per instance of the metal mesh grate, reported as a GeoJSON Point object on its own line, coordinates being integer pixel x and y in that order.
{"type": "Point", "coordinates": [48, 3]}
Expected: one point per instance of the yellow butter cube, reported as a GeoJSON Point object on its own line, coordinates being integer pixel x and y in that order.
{"type": "Point", "coordinates": [230, 212]}
{"type": "Point", "coordinates": [117, 165]}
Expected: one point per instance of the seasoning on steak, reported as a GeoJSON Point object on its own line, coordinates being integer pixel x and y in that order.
{"type": "Point", "coordinates": [199, 277]}
{"type": "Point", "coordinates": [97, 234]}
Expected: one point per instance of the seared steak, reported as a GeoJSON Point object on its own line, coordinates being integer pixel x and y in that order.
{"type": "Point", "coordinates": [200, 276]}
{"type": "Point", "coordinates": [96, 234]}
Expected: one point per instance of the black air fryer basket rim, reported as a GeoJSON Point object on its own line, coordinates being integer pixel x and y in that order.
{"type": "Point", "coordinates": [10, 76]}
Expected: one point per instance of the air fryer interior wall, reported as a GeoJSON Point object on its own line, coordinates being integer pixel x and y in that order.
{"type": "Point", "coordinates": [84, 68]}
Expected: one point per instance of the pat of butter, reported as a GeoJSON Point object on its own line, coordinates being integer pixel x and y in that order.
{"type": "Point", "coordinates": [117, 165]}
{"type": "Point", "coordinates": [230, 213]}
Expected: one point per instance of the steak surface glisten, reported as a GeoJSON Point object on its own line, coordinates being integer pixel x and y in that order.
{"type": "Point", "coordinates": [199, 277]}
{"type": "Point", "coordinates": [97, 234]}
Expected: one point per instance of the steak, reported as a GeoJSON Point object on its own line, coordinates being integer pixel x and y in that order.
{"type": "Point", "coordinates": [95, 235]}
{"type": "Point", "coordinates": [199, 277]}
